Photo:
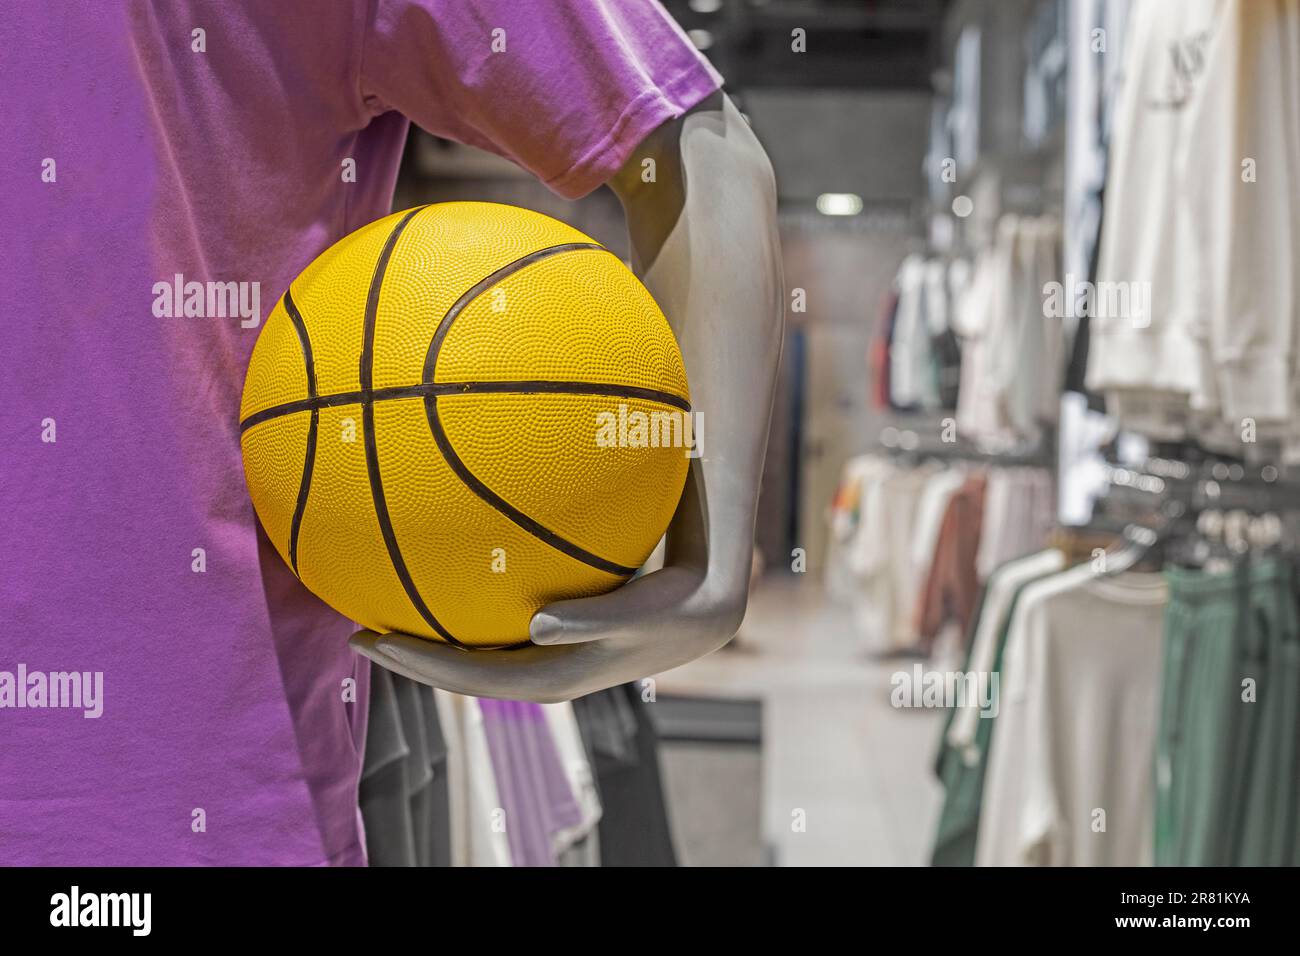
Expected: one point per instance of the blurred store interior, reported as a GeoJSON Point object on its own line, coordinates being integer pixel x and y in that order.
{"type": "Point", "coordinates": [939, 163]}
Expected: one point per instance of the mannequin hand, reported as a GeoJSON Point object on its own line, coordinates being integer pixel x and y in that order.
{"type": "Point", "coordinates": [651, 624]}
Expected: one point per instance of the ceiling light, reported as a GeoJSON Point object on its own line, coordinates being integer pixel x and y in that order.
{"type": "Point", "coordinates": [839, 204]}
{"type": "Point", "coordinates": [702, 39]}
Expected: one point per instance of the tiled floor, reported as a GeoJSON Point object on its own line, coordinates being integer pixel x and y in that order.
{"type": "Point", "coordinates": [714, 804]}
{"type": "Point", "coordinates": [846, 776]}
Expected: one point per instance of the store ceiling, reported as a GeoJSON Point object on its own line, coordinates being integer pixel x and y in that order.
{"type": "Point", "coordinates": [870, 143]}
{"type": "Point", "coordinates": [849, 115]}
{"type": "Point", "coordinates": [852, 44]}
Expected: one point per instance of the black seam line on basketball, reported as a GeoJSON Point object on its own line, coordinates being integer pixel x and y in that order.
{"type": "Point", "coordinates": [304, 340]}
{"type": "Point", "coordinates": [309, 458]}
{"type": "Point", "coordinates": [536, 387]}
{"type": "Point", "coordinates": [466, 388]}
{"type": "Point", "coordinates": [367, 363]}
{"type": "Point", "coordinates": [471, 481]}
{"type": "Point", "coordinates": [487, 282]}
{"type": "Point", "coordinates": [372, 449]}
{"type": "Point", "coordinates": [535, 528]}
{"type": "Point", "coordinates": [300, 508]}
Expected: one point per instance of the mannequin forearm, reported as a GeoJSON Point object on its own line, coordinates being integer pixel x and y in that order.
{"type": "Point", "coordinates": [717, 276]}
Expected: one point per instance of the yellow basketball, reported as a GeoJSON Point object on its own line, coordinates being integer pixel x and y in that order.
{"type": "Point", "coordinates": [460, 413]}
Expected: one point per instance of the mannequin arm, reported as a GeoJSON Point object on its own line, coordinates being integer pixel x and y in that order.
{"type": "Point", "coordinates": [705, 244]}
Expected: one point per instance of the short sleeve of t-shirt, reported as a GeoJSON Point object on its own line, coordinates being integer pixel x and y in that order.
{"type": "Point", "coordinates": [564, 88]}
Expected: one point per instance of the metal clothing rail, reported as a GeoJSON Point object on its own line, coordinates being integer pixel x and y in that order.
{"type": "Point", "coordinates": [1210, 484]}
{"type": "Point", "coordinates": [906, 442]}
{"type": "Point", "coordinates": [1196, 507]}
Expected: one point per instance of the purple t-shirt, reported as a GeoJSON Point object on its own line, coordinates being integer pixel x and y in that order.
{"type": "Point", "coordinates": [538, 802]}
{"type": "Point", "coordinates": [210, 718]}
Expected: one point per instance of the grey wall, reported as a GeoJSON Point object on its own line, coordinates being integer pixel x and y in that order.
{"type": "Point", "coordinates": [869, 143]}
{"type": "Point", "coordinates": [845, 268]}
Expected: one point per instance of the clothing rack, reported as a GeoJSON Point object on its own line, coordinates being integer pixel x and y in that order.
{"type": "Point", "coordinates": [1198, 507]}
{"type": "Point", "coordinates": [905, 442]}
{"type": "Point", "coordinates": [1210, 484]}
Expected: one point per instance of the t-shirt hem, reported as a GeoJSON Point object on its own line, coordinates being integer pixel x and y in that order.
{"type": "Point", "coordinates": [1256, 385]}
{"type": "Point", "coordinates": [648, 111]}
{"type": "Point", "coordinates": [1159, 360]}
{"type": "Point", "coordinates": [354, 854]}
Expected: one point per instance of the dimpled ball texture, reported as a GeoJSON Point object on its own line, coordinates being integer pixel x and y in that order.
{"type": "Point", "coordinates": [460, 413]}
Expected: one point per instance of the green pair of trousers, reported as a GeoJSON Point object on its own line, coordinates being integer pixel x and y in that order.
{"type": "Point", "coordinates": [1226, 752]}
{"type": "Point", "coordinates": [962, 773]}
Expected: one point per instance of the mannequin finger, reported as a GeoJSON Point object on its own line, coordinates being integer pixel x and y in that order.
{"type": "Point", "coordinates": [523, 673]}
{"type": "Point", "coordinates": [616, 614]}
{"type": "Point", "coordinates": [365, 644]}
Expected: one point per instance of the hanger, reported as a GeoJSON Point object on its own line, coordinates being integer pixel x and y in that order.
{"type": "Point", "coordinates": [1144, 543]}
{"type": "Point", "coordinates": [1079, 544]}
{"type": "Point", "coordinates": [1139, 542]}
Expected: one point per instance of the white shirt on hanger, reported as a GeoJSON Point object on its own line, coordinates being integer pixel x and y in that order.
{"type": "Point", "coordinates": [930, 509]}
{"type": "Point", "coordinates": [910, 378]}
{"type": "Point", "coordinates": [477, 838]}
{"type": "Point", "coordinates": [1239, 170]}
{"type": "Point", "coordinates": [1001, 589]}
{"type": "Point", "coordinates": [563, 724]}
{"type": "Point", "coordinates": [1151, 357]}
{"type": "Point", "coordinates": [1070, 778]}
